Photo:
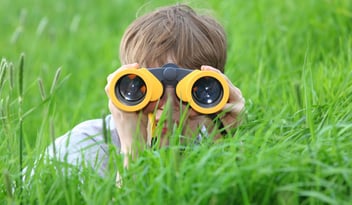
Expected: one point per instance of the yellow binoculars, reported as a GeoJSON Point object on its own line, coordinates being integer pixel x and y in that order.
{"type": "Point", "coordinates": [132, 89]}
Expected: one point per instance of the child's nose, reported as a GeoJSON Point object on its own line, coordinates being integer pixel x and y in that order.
{"type": "Point", "coordinates": [169, 96]}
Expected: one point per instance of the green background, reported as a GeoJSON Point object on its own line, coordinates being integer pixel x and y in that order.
{"type": "Point", "coordinates": [291, 60]}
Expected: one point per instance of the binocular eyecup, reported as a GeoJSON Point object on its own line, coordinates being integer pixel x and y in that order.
{"type": "Point", "coordinates": [132, 89]}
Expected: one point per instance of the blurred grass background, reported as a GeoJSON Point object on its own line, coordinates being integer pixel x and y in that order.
{"type": "Point", "coordinates": [269, 45]}
{"type": "Point", "coordinates": [291, 59]}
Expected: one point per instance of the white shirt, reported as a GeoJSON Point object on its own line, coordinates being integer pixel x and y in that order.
{"type": "Point", "coordinates": [86, 143]}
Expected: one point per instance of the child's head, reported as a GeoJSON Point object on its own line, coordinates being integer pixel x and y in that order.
{"type": "Point", "coordinates": [174, 34]}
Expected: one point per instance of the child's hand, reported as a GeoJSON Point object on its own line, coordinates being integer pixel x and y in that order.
{"type": "Point", "coordinates": [235, 104]}
{"type": "Point", "coordinates": [131, 126]}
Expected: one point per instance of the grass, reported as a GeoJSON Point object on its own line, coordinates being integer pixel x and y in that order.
{"type": "Point", "coordinates": [291, 59]}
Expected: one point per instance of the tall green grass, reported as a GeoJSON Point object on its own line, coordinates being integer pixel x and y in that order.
{"type": "Point", "coordinates": [291, 59]}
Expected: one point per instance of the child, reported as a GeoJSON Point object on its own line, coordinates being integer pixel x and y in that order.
{"type": "Point", "coordinates": [173, 34]}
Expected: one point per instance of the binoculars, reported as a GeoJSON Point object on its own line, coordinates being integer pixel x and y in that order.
{"type": "Point", "coordinates": [132, 89]}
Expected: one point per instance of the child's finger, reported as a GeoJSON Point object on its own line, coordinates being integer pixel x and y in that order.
{"type": "Point", "coordinates": [124, 67]}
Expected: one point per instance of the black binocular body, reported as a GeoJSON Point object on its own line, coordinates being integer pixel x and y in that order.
{"type": "Point", "coordinates": [132, 89]}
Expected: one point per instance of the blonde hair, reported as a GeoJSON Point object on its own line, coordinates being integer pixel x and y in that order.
{"type": "Point", "coordinates": [177, 34]}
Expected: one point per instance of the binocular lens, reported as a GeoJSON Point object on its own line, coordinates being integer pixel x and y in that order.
{"type": "Point", "coordinates": [130, 89]}
{"type": "Point", "coordinates": [207, 91]}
